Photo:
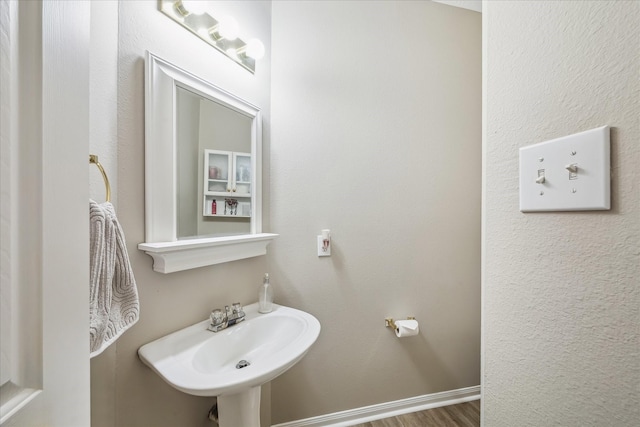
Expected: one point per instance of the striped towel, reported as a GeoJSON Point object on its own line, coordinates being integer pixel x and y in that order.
{"type": "Point", "coordinates": [113, 304]}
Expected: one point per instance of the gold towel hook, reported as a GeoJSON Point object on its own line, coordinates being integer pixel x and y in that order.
{"type": "Point", "coordinates": [94, 159]}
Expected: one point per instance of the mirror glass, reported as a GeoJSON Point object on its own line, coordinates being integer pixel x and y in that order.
{"type": "Point", "coordinates": [214, 182]}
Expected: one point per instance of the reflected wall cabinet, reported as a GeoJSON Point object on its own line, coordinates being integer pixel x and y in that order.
{"type": "Point", "coordinates": [227, 184]}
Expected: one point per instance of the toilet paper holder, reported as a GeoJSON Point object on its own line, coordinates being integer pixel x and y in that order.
{"type": "Point", "coordinates": [390, 323]}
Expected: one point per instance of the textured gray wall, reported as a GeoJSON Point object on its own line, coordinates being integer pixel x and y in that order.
{"type": "Point", "coordinates": [561, 294]}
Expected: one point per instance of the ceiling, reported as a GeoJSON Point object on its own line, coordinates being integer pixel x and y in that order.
{"type": "Point", "coordinates": [475, 5]}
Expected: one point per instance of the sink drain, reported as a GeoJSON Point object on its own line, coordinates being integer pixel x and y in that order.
{"type": "Point", "coordinates": [242, 364]}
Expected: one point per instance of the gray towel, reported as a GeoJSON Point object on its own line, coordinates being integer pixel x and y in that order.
{"type": "Point", "coordinates": [113, 304]}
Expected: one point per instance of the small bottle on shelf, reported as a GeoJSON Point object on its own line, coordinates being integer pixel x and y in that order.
{"type": "Point", "coordinates": [214, 208]}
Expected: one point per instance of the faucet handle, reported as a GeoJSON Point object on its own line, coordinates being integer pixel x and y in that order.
{"type": "Point", "coordinates": [237, 308]}
{"type": "Point", "coordinates": [218, 317]}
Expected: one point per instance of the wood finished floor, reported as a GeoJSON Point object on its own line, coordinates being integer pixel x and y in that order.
{"type": "Point", "coordinates": [460, 415]}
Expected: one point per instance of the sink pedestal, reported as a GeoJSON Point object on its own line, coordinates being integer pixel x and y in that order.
{"type": "Point", "coordinates": [240, 409]}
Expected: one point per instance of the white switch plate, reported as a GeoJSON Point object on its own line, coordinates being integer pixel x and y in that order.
{"type": "Point", "coordinates": [589, 188]}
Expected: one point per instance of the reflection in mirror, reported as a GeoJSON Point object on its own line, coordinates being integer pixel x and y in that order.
{"type": "Point", "coordinates": [213, 147]}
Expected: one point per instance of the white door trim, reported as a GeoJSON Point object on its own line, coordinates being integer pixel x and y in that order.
{"type": "Point", "coordinates": [48, 198]}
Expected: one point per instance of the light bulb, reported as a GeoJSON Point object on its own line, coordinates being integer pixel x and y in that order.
{"type": "Point", "coordinates": [255, 49]}
{"type": "Point", "coordinates": [197, 7]}
{"type": "Point", "coordinates": [203, 32]}
{"type": "Point", "coordinates": [228, 28]}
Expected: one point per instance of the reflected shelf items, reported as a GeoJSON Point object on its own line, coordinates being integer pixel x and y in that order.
{"type": "Point", "coordinates": [227, 184]}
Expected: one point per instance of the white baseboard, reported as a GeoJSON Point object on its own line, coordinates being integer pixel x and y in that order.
{"type": "Point", "coordinates": [388, 409]}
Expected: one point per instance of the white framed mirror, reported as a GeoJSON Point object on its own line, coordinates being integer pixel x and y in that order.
{"type": "Point", "coordinates": [203, 157]}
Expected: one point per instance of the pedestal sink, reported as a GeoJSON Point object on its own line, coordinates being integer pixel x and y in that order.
{"type": "Point", "coordinates": [233, 363]}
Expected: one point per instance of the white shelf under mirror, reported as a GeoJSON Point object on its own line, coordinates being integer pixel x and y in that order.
{"type": "Point", "coordinates": [169, 257]}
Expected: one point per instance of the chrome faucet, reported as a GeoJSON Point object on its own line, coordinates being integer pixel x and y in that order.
{"type": "Point", "coordinates": [223, 319]}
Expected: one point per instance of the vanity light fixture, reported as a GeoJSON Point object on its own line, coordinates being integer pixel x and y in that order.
{"type": "Point", "coordinates": [221, 33]}
{"type": "Point", "coordinates": [227, 28]}
{"type": "Point", "coordinates": [253, 49]}
{"type": "Point", "coordinates": [196, 7]}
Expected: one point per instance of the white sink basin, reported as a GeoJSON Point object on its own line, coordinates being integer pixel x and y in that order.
{"type": "Point", "coordinates": [203, 363]}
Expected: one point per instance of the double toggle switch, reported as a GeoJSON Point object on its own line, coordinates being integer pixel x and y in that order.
{"type": "Point", "coordinates": [572, 168]}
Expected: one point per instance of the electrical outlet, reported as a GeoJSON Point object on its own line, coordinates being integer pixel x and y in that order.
{"type": "Point", "coordinates": [322, 251]}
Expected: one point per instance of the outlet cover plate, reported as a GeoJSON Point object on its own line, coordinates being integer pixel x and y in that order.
{"type": "Point", "coordinates": [321, 251]}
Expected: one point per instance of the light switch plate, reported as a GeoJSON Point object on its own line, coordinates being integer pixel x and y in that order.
{"type": "Point", "coordinates": [571, 173]}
